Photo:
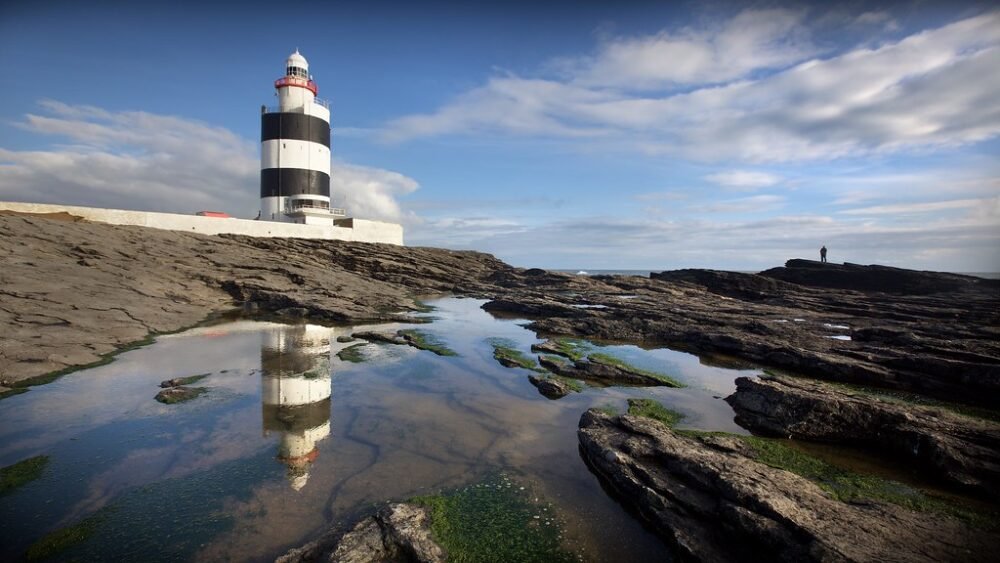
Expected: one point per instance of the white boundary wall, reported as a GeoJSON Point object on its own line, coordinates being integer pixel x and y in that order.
{"type": "Point", "coordinates": [359, 230]}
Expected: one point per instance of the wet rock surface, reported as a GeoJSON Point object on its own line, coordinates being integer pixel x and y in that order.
{"type": "Point", "coordinates": [73, 292]}
{"type": "Point", "coordinates": [396, 533]}
{"type": "Point", "coordinates": [714, 503]}
{"type": "Point", "coordinates": [549, 387]}
{"type": "Point", "coordinates": [957, 449]}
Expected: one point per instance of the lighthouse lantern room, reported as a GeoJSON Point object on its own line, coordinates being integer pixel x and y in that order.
{"type": "Point", "coordinates": [295, 151]}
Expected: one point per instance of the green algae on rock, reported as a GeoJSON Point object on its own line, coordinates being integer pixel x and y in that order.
{"type": "Point", "coordinates": [353, 353]}
{"type": "Point", "coordinates": [21, 473]}
{"type": "Point", "coordinates": [572, 348]}
{"type": "Point", "coordinates": [182, 394]}
{"type": "Point", "coordinates": [424, 341]}
{"type": "Point", "coordinates": [507, 355]}
{"type": "Point", "coordinates": [495, 521]}
{"type": "Point", "coordinates": [608, 360]}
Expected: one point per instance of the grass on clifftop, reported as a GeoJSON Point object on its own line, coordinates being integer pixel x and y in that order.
{"type": "Point", "coordinates": [494, 521]}
{"type": "Point", "coordinates": [653, 409]}
{"type": "Point", "coordinates": [424, 341]}
{"type": "Point", "coordinates": [353, 353]}
{"type": "Point", "coordinates": [608, 360]}
{"type": "Point", "coordinates": [21, 473]}
{"type": "Point", "coordinates": [505, 353]}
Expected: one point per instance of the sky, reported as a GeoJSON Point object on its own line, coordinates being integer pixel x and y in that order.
{"type": "Point", "coordinates": [563, 135]}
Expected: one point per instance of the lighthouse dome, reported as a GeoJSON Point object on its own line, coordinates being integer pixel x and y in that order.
{"type": "Point", "coordinates": [296, 65]}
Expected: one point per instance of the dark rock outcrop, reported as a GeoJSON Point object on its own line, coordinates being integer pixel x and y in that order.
{"type": "Point", "coordinates": [737, 285]}
{"type": "Point", "coordinates": [872, 278]}
{"type": "Point", "coordinates": [714, 503]}
{"type": "Point", "coordinates": [957, 449]}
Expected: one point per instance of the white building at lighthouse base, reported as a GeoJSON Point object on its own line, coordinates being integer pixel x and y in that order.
{"type": "Point", "coordinates": [350, 229]}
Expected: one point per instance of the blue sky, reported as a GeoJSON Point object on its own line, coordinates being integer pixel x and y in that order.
{"type": "Point", "coordinates": [639, 135]}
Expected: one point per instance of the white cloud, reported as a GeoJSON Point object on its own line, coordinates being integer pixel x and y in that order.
{"type": "Point", "coordinates": [935, 88]}
{"type": "Point", "coordinates": [139, 160]}
{"type": "Point", "coordinates": [925, 207]}
{"type": "Point", "coordinates": [744, 179]}
{"type": "Point", "coordinates": [752, 204]}
{"type": "Point", "coordinates": [752, 40]}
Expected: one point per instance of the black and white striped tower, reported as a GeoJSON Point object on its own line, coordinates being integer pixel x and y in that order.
{"type": "Point", "coordinates": [295, 151]}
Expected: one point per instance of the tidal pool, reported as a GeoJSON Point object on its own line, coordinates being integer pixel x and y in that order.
{"type": "Point", "coordinates": [290, 439]}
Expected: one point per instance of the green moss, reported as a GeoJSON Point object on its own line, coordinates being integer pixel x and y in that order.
{"type": "Point", "coordinates": [508, 356]}
{"type": "Point", "coordinates": [623, 365]}
{"type": "Point", "coordinates": [424, 341]}
{"type": "Point", "coordinates": [21, 473]}
{"type": "Point", "coordinates": [494, 521]}
{"type": "Point", "coordinates": [352, 353]}
{"type": "Point", "coordinates": [58, 541]}
{"type": "Point", "coordinates": [653, 409]}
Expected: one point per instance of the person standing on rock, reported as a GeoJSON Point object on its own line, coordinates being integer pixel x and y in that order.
{"type": "Point", "coordinates": [822, 254]}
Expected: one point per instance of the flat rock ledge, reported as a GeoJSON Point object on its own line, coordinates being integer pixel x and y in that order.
{"type": "Point", "coordinates": [712, 502]}
{"type": "Point", "coordinates": [396, 533]}
{"type": "Point", "coordinates": [960, 450]}
{"type": "Point", "coordinates": [599, 372]}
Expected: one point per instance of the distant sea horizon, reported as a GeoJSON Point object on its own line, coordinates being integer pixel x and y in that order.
{"type": "Point", "coordinates": [645, 273]}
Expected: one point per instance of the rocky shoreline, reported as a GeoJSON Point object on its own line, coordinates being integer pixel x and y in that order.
{"type": "Point", "coordinates": [896, 360]}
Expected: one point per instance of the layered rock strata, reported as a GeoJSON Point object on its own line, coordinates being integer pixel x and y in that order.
{"type": "Point", "coordinates": [711, 501]}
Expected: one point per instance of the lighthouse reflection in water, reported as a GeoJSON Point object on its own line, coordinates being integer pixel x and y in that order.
{"type": "Point", "coordinates": [295, 392]}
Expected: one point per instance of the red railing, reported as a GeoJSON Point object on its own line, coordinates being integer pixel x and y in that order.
{"type": "Point", "coordinates": [300, 82]}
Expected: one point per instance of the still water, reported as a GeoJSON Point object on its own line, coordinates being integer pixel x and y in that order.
{"type": "Point", "coordinates": [289, 439]}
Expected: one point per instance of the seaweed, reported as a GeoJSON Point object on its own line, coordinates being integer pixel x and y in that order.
{"type": "Point", "coordinates": [494, 521]}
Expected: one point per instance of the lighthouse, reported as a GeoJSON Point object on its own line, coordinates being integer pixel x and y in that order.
{"type": "Point", "coordinates": [295, 151]}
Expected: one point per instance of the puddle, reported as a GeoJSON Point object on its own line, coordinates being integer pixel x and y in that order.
{"type": "Point", "coordinates": [839, 337]}
{"type": "Point", "coordinates": [290, 439]}
{"type": "Point", "coordinates": [591, 306]}
{"type": "Point", "coordinates": [838, 327]}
